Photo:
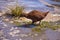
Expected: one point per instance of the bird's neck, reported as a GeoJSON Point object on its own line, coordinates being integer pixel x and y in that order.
{"type": "Point", "coordinates": [24, 15]}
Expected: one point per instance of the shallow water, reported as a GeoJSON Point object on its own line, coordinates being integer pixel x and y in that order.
{"type": "Point", "coordinates": [8, 28]}
{"type": "Point", "coordinates": [29, 5]}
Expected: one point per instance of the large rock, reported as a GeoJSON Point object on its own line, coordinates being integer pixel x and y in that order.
{"type": "Point", "coordinates": [23, 21]}
{"type": "Point", "coordinates": [51, 17]}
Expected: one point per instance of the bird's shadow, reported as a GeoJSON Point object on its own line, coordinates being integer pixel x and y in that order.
{"type": "Point", "coordinates": [27, 26]}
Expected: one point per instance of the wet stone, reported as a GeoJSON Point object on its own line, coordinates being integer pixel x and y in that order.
{"type": "Point", "coordinates": [5, 25]}
{"type": "Point", "coordinates": [6, 19]}
{"type": "Point", "coordinates": [40, 39]}
{"type": "Point", "coordinates": [5, 39]}
{"type": "Point", "coordinates": [14, 33]}
{"type": "Point", "coordinates": [12, 28]}
{"type": "Point", "coordinates": [35, 34]}
{"type": "Point", "coordinates": [11, 22]}
{"type": "Point", "coordinates": [20, 39]}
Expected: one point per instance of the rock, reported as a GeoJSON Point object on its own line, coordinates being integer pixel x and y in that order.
{"type": "Point", "coordinates": [23, 20]}
{"type": "Point", "coordinates": [20, 39]}
{"type": "Point", "coordinates": [11, 22]}
{"type": "Point", "coordinates": [36, 34]}
{"type": "Point", "coordinates": [1, 13]}
{"type": "Point", "coordinates": [5, 25]}
{"type": "Point", "coordinates": [51, 17]}
{"type": "Point", "coordinates": [23, 35]}
{"type": "Point", "coordinates": [12, 28]}
{"type": "Point", "coordinates": [6, 19]}
{"type": "Point", "coordinates": [14, 33]}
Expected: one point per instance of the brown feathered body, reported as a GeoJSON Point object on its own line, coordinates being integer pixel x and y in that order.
{"type": "Point", "coordinates": [35, 15]}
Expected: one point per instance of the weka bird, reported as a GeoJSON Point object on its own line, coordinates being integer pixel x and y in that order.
{"type": "Point", "coordinates": [35, 15]}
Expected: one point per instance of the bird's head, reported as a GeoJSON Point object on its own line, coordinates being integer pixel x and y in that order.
{"type": "Point", "coordinates": [45, 13]}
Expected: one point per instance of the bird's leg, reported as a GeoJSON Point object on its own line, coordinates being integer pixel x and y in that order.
{"type": "Point", "coordinates": [32, 22]}
{"type": "Point", "coordinates": [39, 22]}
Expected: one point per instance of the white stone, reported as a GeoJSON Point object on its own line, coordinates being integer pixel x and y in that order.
{"type": "Point", "coordinates": [5, 39]}
{"type": "Point", "coordinates": [29, 34]}
{"type": "Point", "coordinates": [12, 34]}
{"type": "Point", "coordinates": [23, 19]}
{"type": "Point", "coordinates": [19, 21]}
{"type": "Point", "coordinates": [40, 39]}
{"type": "Point", "coordinates": [16, 39]}
{"type": "Point", "coordinates": [5, 25]}
{"type": "Point", "coordinates": [16, 28]}
{"type": "Point", "coordinates": [6, 19]}
{"type": "Point", "coordinates": [26, 35]}
{"type": "Point", "coordinates": [11, 22]}
{"type": "Point", "coordinates": [23, 35]}
{"type": "Point", "coordinates": [58, 30]}
{"type": "Point", "coordinates": [20, 39]}
{"type": "Point", "coordinates": [36, 34]}
{"type": "Point", "coordinates": [12, 28]}
{"type": "Point", "coordinates": [16, 31]}
{"type": "Point", "coordinates": [1, 14]}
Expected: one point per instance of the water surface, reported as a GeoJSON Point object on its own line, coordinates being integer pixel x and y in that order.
{"type": "Point", "coordinates": [8, 28]}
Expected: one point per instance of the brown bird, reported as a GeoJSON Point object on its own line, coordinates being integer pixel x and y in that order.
{"type": "Point", "coordinates": [35, 15]}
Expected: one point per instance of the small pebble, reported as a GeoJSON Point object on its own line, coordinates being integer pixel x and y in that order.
{"type": "Point", "coordinates": [58, 30]}
{"type": "Point", "coordinates": [36, 34]}
{"type": "Point", "coordinates": [12, 28]}
{"type": "Point", "coordinates": [16, 39]}
{"type": "Point", "coordinates": [26, 35]}
{"type": "Point", "coordinates": [6, 19]}
{"type": "Point", "coordinates": [29, 34]}
{"type": "Point", "coordinates": [16, 28]}
{"type": "Point", "coordinates": [40, 39]}
{"type": "Point", "coordinates": [16, 31]}
{"type": "Point", "coordinates": [11, 22]}
{"type": "Point", "coordinates": [1, 14]}
{"type": "Point", "coordinates": [5, 25]}
{"type": "Point", "coordinates": [12, 34]}
{"type": "Point", "coordinates": [19, 21]}
{"type": "Point", "coordinates": [23, 35]}
{"type": "Point", "coordinates": [20, 39]}
{"type": "Point", "coordinates": [5, 39]}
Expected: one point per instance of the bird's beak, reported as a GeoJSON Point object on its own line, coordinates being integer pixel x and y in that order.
{"type": "Point", "coordinates": [47, 12]}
